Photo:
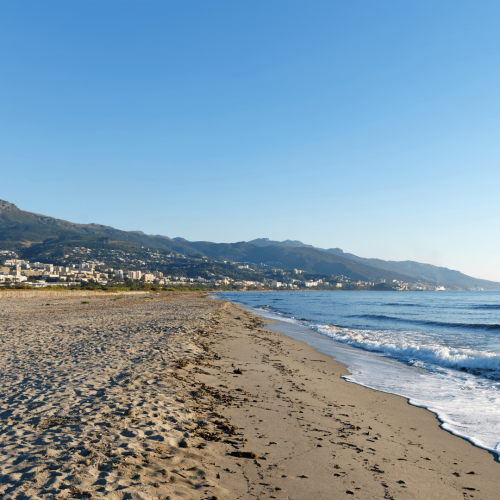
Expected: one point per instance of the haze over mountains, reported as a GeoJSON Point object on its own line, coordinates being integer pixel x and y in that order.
{"type": "Point", "coordinates": [415, 270]}
{"type": "Point", "coordinates": [36, 236]}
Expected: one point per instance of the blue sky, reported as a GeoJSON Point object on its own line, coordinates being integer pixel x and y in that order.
{"type": "Point", "coordinates": [369, 126]}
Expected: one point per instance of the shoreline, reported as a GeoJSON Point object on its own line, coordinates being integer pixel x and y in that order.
{"type": "Point", "coordinates": [406, 438]}
{"type": "Point", "coordinates": [176, 397]}
{"type": "Point", "coordinates": [286, 326]}
{"type": "Point", "coordinates": [443, 374]}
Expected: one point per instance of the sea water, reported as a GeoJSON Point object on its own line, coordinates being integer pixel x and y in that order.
{"type": "Point", "coordinates": [441, 350]}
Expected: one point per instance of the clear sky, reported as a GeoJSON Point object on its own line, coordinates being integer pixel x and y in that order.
{"type": "Point", "coordinates": [373, 126]}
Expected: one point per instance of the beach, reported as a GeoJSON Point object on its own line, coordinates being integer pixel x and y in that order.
{"type": "Point", "coordinates": [183, 396]}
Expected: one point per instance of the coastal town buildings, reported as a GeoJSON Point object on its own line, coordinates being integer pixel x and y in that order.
{"type": "Point", "coordinates": [150, 268]}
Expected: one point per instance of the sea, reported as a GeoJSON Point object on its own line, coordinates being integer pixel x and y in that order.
{"type": "Point", "coordinates": [441, 350]}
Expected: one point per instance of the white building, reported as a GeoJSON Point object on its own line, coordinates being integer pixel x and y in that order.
{"type": "Point", "coordinates": [309, 284]}
{"type": "Point", "coordinates": [12, 278]}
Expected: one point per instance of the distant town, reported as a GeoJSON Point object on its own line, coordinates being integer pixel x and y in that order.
{"type": "Point", "coordinates": [172, 271]}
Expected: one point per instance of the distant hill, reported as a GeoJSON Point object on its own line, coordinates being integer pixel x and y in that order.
{"type": "Point", "coordinates": [415, 270]}
{"type": "Point", "coordinates": [288, 257]}
{"type": "Point", "coordinates": [37, 236]}
{"type": "Point", "coordinates": [33, 233]}
{"type": "Point", "coordinates": [425, 272]}
{"type": "Point", "coordinates": [266, 242]}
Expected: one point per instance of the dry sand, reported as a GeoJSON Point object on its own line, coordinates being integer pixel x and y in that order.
{"type": "Point", "coordinates": [138, 398]}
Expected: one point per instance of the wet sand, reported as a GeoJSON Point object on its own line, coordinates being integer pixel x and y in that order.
{"type": "Point", "coordinates": [181, 396]}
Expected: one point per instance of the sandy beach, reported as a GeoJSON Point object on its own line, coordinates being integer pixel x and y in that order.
{"type": "Point", "coordinates": [166, 396]}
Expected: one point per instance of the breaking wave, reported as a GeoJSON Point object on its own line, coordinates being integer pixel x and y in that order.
{"type": "Point", "coordinates": [473, 326]}
{"type": "Point", "coordinates": [417, 354]}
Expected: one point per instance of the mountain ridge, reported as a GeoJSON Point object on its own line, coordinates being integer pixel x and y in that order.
{"type": "Point", "coordinates": [416, 270]}
{"type": "Point", "coordinates": [36, 234]}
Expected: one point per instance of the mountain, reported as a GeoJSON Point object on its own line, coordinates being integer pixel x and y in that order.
{"type": "Point", "coordinates": [419, 271]}
{"type": "Point", "coordinates": [266, 242]}
{"type": "Point", "coordinates": [36, 236]}
{"type": "Point", "coordinates": [307, 259]}
{"type": "Point", "coordinates": [414, 270]}
{"type": "Point", "coordinates": [21, 230]}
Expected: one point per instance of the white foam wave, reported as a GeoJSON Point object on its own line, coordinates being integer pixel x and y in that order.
{"type": "Point", "coordinates": [414, 348]}
{"type": "Point", "coordinates": [268, 313]}
{"type": "Point", "coordinates": [467, 402]}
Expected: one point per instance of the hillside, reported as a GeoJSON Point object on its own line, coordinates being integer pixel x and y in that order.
{"type": "Point", "coordinates": [21, 230]}
{"type": "Point", "coordinates": [266, 242]}
{"type": "Point", "coordinates": [306, 259]}
{"type": "Point", "coordinates": [427, 272]}
{"type": "Point", "coordinates": [36, 236]}
{"type": "Point", "coordinates": [414, 270]}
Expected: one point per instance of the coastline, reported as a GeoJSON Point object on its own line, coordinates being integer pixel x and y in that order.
{"type": "Point", "coordinates": [344, 354]}
{"type": "Point", "coordinates": [183, 396]}
{"type": "Point", "coordinates": [370, 440]}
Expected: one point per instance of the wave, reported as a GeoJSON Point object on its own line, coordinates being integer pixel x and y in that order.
{"type": "Point", "coordinates": [471, 360]}
{"type": "Point", "coordinates": [410, 347]}
{"type": "Point", "coordinates": [402, 304]}
{"type": "Point", "coordinates": [487, 306]}
{"type": "Point", "coordinates": [473, 326]}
